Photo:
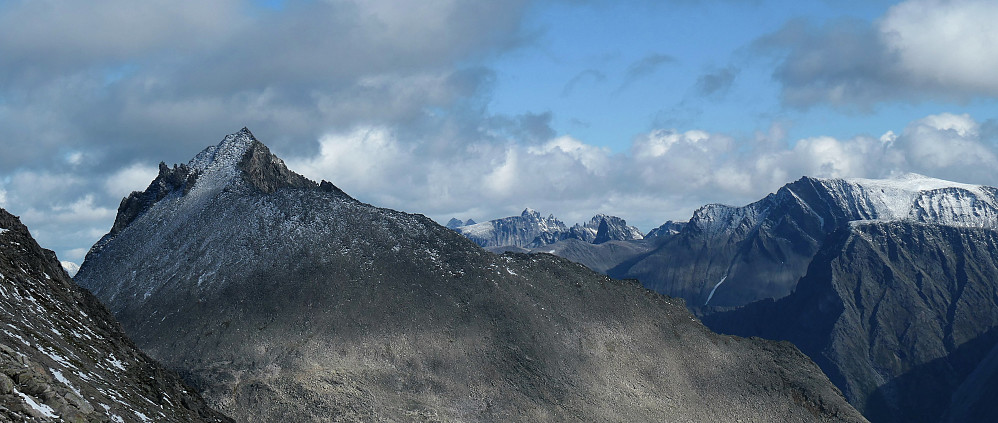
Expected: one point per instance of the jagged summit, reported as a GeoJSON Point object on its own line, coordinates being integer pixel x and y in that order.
{"type": "Point", "coordinates": [530, 230]}
{"type": "Point", "coordinates": [242, 155]}
{"type": "Point", "coordinates": [226, 154]}
{"type": "Point", "coordinates": [239, 161]}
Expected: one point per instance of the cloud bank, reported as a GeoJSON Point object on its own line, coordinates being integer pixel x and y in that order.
{"type": "Point", "coordinates": [666, 174]}
{"type": "Point", "coordinates": [919, 50]}
{"type": "Point", "coordinates": [393, 106]}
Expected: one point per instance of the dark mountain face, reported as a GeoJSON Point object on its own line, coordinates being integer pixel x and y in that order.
{"type": "Point", "coordinates": [302, 304]}
{"type": "Point", "coordinates": [903, 316]}
{"type": "Point", "coordinates": [731, 256]}
{"type": "Point", "coordinates": [62, 355]}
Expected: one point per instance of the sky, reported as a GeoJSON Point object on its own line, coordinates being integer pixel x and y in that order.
{"type": "Point", "coordinates": [645, 110]}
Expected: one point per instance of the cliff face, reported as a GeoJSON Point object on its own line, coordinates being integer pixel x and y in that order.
{"type": "Point", "coordinates": [302, 303]}
{"type": "Point", "coordinates": [62, 355]}
{"type": "Point", "coordinates": [900, 315]}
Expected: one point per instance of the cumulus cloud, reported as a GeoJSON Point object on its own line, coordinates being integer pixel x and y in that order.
{"type": "Point", "coordinates": [147, 81]}
{"type": "Point", "coordinates": [919, 49]}
{"type": "Point", "coordinates": [132, 178]}
{"type": "Point", "coordinates": [948, 43]}
{"type": "Point", "coordinates": [96, 94]}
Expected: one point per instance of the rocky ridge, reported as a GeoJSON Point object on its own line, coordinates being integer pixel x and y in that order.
{"type": "Point", "coordinates": [62, 355]}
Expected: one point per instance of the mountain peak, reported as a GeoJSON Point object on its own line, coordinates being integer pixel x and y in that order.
{"type": "Point", "coordinates": [239, 159]}
{"type": "Point", "coordinates": [527, 212]}
{"type": "Point", "coordinates": [226, 154]}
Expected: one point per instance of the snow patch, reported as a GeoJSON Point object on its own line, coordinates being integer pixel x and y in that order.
{"type": "Point", "coordinates": [715, 289]}
{"type": "Point", "coordinates": [112, 360]}
{"type": "Point", "coordinates": [39, 407]}
{"type": "Point", "coordinates": [58, 376]}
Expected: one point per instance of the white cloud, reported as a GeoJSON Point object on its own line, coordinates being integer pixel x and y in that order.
{"type": "Point", "coordinates": [593, 158]}
{"type": "Point", "coordinates": [132, 178]}
{"type": "Point", "coordinates": [946, 42]}
{"type": "Point", "coordinates": [919, 49]}
{"type": "Point", "coordinates": [947, 145]}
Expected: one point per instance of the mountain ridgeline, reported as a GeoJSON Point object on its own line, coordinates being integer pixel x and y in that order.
{"type": "Point", "coordinates": [63, 358]}
{"type": "Point", "coordinates": [531, 230]}
{"type": "Point", "coordinates": [282, 299]}
{"type": "Point", "coordinates": [731, 256]}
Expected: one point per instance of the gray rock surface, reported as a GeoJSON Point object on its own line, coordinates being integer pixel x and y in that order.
{"type": "Point", "coordinates": [304, 304]}
{"type": "Point", "coordinates": [64, 358]}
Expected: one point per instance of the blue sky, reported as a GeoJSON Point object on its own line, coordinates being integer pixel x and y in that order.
{"type": "Point", "coordinates": [462, 108]}
{"type": "Point", "coordinates": [578, 69]}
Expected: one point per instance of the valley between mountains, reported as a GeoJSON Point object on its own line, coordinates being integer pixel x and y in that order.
{"type": "Point", "coordinates": [265, 296]}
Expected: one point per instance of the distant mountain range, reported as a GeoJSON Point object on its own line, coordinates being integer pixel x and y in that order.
{"type": "Point", "coordinates": [531, 230]}
{"type": "Point", "coordinates": [63, 357]}
{"type": "Point", "coordinates": [286, 300]}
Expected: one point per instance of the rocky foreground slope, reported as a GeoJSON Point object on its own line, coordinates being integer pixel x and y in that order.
{"type": "Point", "coordinates": [63, 358]}
{"type": "Point", "coordinates": [283, 299]}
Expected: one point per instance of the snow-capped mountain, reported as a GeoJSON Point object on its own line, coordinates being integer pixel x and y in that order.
{"type": "Point", "coordinates": [667, 229]}
{"type": "Point", "coordinates": [70, 267]}
{"type": "Point", "coordinates": [518, 231]}
{"type": "Point", "coordinates": [730, 256]}
{"type": "Point", "coordinates": [63, 358]}
{"type": "Point", "coordinates": [286, 300]}
{"type": "Point", "coordinates": [530, 230]}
